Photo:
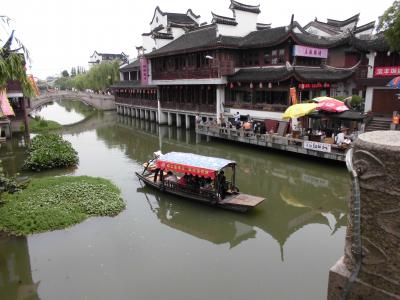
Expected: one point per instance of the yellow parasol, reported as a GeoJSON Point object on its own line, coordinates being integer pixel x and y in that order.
{"type": "Point", "coordinates": [299, 110]}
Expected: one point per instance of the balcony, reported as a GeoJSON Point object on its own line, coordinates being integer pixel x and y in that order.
{"type": "Point", "coordinates": [187, 74]}
{"type": "Point", "coordinates": [256, 106]}
{"type": "Point", "coordinates": [136, 102]}
{"type": "Point", "coordinates": [204, 108]}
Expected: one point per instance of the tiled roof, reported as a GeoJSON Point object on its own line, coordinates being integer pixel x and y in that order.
{"type": "Point", "coordinates": [265, 37]}
{"type": "Point", "coordinates": [132, 65]}
{"type": "Point", "coordinates": [261, 74]}
{"type": "Point", "coordinates": [375, 43]}
{"type": "Point", "coordinates": [180, 18]}
{"type": "Point", "coordinates": [204, 37]}
{"type": "Point", "coordinates": [321, 74]}
{"type": "Point", "coordinates": [261, 26]}
{"type": "Point", "coordinates": [223, 20]}
{"type": "Point", "coordinates": [304, 74]}
{"type": "Point", "coordinates": [368, 26]}
{"type": "Point", "coordinates": [245, 7]}
{"type": "Point", "coordinates": [348, 21]}
{"type": "Point", "coordinates": [324, 27]}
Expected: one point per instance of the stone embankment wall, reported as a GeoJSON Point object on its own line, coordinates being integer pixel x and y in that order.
{"type": "Point", "coordinates": [98, 101]}
{"type": "Point", "coordinates": [376, 157]}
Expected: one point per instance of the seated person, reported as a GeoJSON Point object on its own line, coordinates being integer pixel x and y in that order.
{"type": "Point", "coordinates": [171, 177]}
{"type": "Point", "coordinates": [183, 180]}
{"type": "Point", "coordinates": [247, 126]}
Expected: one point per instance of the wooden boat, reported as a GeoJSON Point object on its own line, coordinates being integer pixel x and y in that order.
{"type": "Point", "coordinates": [218, 192]}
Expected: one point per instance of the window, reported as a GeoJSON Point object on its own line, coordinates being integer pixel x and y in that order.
{"type": "Point", "coordinates": [278, 56]}
{"type": "Point", "coordinates": [267, 57]}
{"type": "Point", "coordinates": [250, 58]}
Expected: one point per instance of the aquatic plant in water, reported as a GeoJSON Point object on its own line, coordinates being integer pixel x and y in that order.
{"type": "Point", "coordinates": [52, 203]}
{"type": "Point", "coordinates": [49, 151]}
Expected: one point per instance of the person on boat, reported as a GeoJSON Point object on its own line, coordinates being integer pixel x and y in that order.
{"type": "Point", "coordinates": [183, 181]}
{"type": "Point", "coordinates": [171, 177]}
{"type": "Point", "coordinates": [221, 184]}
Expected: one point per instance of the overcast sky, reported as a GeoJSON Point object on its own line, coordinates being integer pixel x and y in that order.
{"type": "Point", "coordinates": [62, 34]}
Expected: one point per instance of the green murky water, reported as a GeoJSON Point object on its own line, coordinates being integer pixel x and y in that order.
{"type": "Point", "coordinates": [161, 247]}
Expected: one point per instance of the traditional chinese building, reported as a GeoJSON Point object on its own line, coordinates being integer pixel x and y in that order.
{"type": "Point", "coordinates": [238, 64]}
{"type": "Point", "coordinates": [97, 58]}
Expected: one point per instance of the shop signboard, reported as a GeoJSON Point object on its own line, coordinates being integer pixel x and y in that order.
{"type": "Point", "coordinates": [322, 147]}
{"type": "Point", "coordinates": [310, 51]}
{"type": "Point", "coordinates": [144, 71]}
{"type": "Point", "coordinates": [387, 71]}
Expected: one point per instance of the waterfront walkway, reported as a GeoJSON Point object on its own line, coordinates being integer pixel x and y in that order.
{"type": "Point", "coordinates": [98, 101]}
{"type": "Point", "coordinates": [275, 141]}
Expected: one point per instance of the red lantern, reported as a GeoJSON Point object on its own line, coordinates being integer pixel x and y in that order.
{"type": "Point", "coordinates": [239, 84]}
{"type": "Point", "coordinates": [260, 85]}
{"type": "Point", "coordinates": [251, 85]}
{"type": "Point", "coordinates": [232, 86]}
{"type": "Point", "coordinates": [270, 85]}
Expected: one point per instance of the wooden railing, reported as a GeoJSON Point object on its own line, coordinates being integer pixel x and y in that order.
{"type": "Point", "coordinates": [186, 74]}
{"type": "Point", "coordinates": [255, 138]}
{"type": "Point", "coordinates": [136, 102]}
{"type": "Point", "coordinates": [189, 107]}
{"type": "Point", "coordinates": [256, 106]}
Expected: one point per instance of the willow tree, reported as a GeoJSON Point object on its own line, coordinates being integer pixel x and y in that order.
{"type": "Point", "coordinates": [12, 64]}
{"type": "Point", "coordinates": [389, 24]}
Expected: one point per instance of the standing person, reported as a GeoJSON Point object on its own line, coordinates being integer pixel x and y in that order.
{"type": "Point", "coordinates": [221, 184]}
{"type": "Point", "coordinates": [198, 120]}
{"type": "Point", "coordinates": [237, 118]}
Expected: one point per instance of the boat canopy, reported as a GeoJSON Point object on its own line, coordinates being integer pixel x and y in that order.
{"type": "Point", "coordinates": [192, 164]}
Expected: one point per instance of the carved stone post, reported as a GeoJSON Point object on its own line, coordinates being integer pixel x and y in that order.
{"type": "Point", "coordinates": [376, 158]}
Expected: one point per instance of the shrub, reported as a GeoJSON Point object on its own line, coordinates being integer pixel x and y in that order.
{"type": "Point", "coordinates": [52, 203]}
{"type": "Point", "coordinates": [37, 125]}
{"type": "Point", "coordinates": [49, 151]}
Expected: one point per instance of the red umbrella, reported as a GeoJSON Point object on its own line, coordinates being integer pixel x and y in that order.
{"type": "Point", "coordinates": [332, 105]}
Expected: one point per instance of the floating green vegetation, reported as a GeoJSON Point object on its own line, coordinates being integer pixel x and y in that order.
{"type": "Point", "coordinates": [38, 124]}
{"type": "Point", "coordinates": [49, 151]}
{"type": "Point", "coordinates": [52, 203]}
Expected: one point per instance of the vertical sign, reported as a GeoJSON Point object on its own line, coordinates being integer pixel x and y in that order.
{"type": "Point", "coordinates": [293, 95]}
{"type": "Point", "coordinates": [144, 71]}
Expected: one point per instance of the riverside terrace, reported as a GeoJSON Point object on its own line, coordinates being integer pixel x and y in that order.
{"type": "Point", "coordinates": [328, 143]}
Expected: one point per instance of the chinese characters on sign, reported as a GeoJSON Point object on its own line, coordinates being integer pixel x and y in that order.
{"type": "Point", "coordinates": [166, 166]}
{"type": "Point", "coordinates": [322, 147]}
{"type": "Point", "coordinates": [304, 86]}
{"type": "Point", "coordinates": [310, 51]}
{"type": "Point", "coordinates": [144, 71]}
{"type": "Point", "coordinates": [387, 71]}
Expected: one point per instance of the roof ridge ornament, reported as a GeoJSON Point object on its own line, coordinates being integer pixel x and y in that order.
{"type": "Point", "coordinates": [235, 5]}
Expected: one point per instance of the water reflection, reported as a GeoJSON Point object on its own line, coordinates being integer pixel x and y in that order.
{"type": "Point", "coordinates": [15, 270]}
{"type": "Point", "coordinates": [64, 112]}
{"type": "Point", "coordinates": [298, 193]}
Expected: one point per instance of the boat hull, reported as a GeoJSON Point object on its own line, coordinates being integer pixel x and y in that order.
{"type": "Point", "coordinates": [238, 202]}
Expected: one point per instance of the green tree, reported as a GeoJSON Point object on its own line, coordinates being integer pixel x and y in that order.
{"type": "Point", "coordinates": [12, 63]}
{"type": "Point", "coordinates": [65, 73]}
{"type": "Point", "coordinates": [73, 72]}
{"type": "Point", "coordinates": [389, 24]}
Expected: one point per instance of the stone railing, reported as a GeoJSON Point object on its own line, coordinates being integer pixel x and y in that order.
{"type": "Point", "coordinates": [98, 101]}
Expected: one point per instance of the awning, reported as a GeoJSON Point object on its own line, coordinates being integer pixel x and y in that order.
{"type": "Point", "coordinates": [192, 164]}
{"type": "Point", "coordinates": [347, 115]}
{"type": "Point", "coordinates": [5, 105]}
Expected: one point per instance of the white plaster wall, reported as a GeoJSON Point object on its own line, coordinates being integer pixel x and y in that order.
{"type": "Point", "coordinates": [349, 26]}
{"type": "Point", "coordinates": [148, 43]}
{"type": "Point", "coordinates": [317, 31]}
{"type": "Point", "coordinates": [177, 32]}
{"type": "Point", "coordinates": [162, 20]}
{"type": "Point", "coordinates": [247, 22]}
{"type": "Point", "coordinates": [161, 42]}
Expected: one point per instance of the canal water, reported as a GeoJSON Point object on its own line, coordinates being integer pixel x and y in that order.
{"type": "Point", "coordinates": [162, 247]}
